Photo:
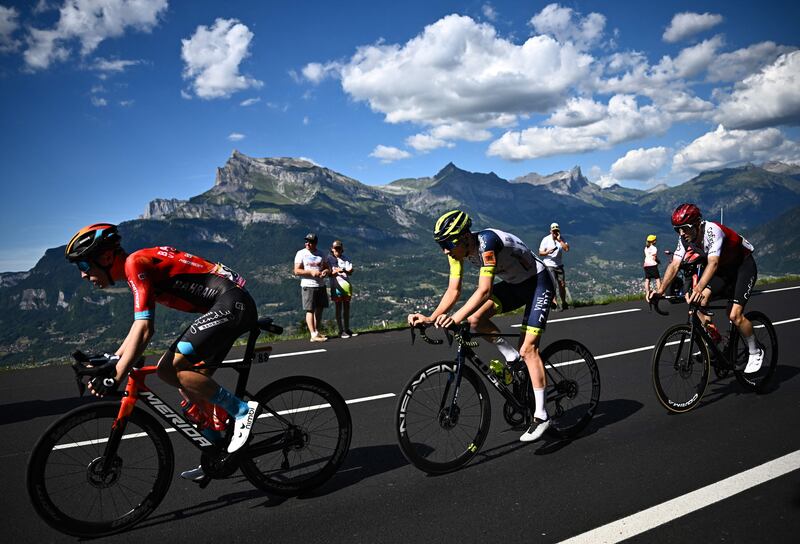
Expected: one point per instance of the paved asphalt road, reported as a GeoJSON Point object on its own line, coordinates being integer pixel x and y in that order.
{"type": "Point", "coordinates": [633, 457]}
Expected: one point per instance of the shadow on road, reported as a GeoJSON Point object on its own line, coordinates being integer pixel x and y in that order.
{"type": "Point", "coordinates": [17, 412]}
{"type": "Point", "coordinates": [721, 388]}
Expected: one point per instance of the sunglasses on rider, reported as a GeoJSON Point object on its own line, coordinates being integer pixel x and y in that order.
{"type": "Point", "coordinates": [680, 228]}
{"type": "Point", "coordinates": [449, 244]}
{"type": "Point", "coordinates": [84, 266]}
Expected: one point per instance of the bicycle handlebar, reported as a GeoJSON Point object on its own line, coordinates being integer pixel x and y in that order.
{"type": "Point", "coordinates": [93, 366]}
{"type": "Point", "coordinates": [460, 333]}
{"type": "Point", "coordinates": [675, 299]}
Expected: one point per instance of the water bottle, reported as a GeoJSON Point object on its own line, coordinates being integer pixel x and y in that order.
{"type": "Point", "coordinates": [713, 332]}
{"type": "Point", "coordinates": [501, 371]}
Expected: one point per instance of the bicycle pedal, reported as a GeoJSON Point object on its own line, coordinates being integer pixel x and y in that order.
{"type": "Point", "coordinates": [204, 481]}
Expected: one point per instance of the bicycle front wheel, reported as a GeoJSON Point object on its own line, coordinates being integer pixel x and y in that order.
{"type": "Point", "coordinates": [300, 439]}
{"type": "Point", "coordinates": [77, 491]}
{"type": "Point", "coordinates": [437, 434]}
{"type": "Point", "coordinates": [768, 341]}
{"type": "Point", "coordinates": [573, 386]}
{"type": "Point", "coordinates": [680, 369]}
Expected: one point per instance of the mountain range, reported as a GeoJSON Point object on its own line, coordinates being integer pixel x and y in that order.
{"type": "Point", "coordinates": [255, 216]}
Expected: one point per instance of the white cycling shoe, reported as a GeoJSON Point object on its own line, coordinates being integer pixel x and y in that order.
{"type": "Point", "coordinates": [243, 425]}
{"type": "Point", "coordinates": [536, 430]}
{"type": "Point", "coordinates": [754, 362]}
{"type": "Point", "coordinates": [193, 474]}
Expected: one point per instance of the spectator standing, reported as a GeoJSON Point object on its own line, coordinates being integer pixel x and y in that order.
{"type": "Point", "coordinates": [312, 268]}
{"type": "Point", "coordinates": [651, 265]}
{"type": "Point", "coordinates": [550, 250]}
{"type": "Point", "coordinates": [341, 290]}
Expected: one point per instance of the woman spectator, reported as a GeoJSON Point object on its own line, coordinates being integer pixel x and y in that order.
{"type": "Point", "coordinates": [341, 291]}
{"type": "Point", "coordinates": [651, 264]}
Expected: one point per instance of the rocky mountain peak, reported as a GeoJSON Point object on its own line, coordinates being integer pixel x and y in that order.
{"type": "Point", "coordinates": [563, 182]}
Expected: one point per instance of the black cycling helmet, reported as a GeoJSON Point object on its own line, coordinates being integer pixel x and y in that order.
{"type": "Point", "coordinates": [451, 225]}
{"type": "Point", "coordinates": [91, 240]}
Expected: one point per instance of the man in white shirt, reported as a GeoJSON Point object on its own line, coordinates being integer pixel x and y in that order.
{"type": "Point", "coordinates": [311, 266]}
{"type": "Point", "coordinates": [550, 250]}
{"type": "Point", "coordinates": [651, 265]}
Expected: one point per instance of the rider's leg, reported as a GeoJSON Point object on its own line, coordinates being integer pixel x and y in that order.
{"type": "Point", "coordinates": [533, 360]}
{"type": "Point", "coordinates": [480, 321]}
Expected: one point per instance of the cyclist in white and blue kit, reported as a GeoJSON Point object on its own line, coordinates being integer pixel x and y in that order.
{"type": "Point", "coordinates": [525, 281]}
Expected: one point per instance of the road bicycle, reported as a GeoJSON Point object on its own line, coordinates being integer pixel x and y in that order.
{"type": "Point", "coordinates": [444, 411]}
{"type": "Point", "coordinates": [106, 466]}
{"type": "Point", "coordinates": [685, 354]}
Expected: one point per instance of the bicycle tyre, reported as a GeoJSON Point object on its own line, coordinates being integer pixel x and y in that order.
{"type": "Point", "coordinates": [318, 417]}
{"type": "Point", "coordinates": [573, 388]}
{"type": "Point", "coordinates": [766, 337]}
{"type": "Point", "coordinates": [679, 385]}
{"type": "Point", "coordinates": [419, 410]}
{"type": "Point", "coordinates": [79, 438]}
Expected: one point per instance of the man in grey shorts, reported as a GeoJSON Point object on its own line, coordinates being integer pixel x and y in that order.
{"type": "Point", "coordinates": [312, 268]}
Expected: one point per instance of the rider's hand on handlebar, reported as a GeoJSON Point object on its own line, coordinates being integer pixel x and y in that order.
{"type": "Point", "coordinates": [653, 296]}
{"type": "Point", "coordinates": [100, 386]}
{"type": "Point", "coordinates": [417, 319]}
{"type": "Point", "coordinates": [444, 321]}
{"type": "Point", "coordinates": [695, 296]}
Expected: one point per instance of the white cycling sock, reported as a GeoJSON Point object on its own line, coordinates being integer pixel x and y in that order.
{"type": "Point", "coordinates": [506, 349]}
{"type": "Point", "coordinates": [540, 413]}
{"type": "Point", "coordinates": [751, 344]}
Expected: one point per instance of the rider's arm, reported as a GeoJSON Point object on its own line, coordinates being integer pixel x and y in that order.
{"type": "Point", "coordinates": [669, 275]}
{"type": "Point", "coordinates": [449, 298]}
{"type": "Point", "coordinates": [708, 273]}
{"type": "Point", "coordinates": [478, 298]}
{"type": "Point", "coordinates": [134, 345]}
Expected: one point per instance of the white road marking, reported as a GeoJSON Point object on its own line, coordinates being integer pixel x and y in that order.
{"type": "Point", "coordinates": [172, 429]}
{"type": "Point", "coordinates": [278, 355]}
{"type": "Point", "coordinates": [588, 316]}
{"type": "Point", "coordinates": [776, 290]}
{"type": "Point", "coordinates": [678, 507]}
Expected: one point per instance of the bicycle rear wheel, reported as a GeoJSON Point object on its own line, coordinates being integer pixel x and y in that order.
{"type": "Point", "coordinates": [768, 340]}
{"type": "Point", "coordinates": [69, 488]}
{"type": "Point", "coordinates": [680, 369]}
{"type": "Point", "coordinates": [573, 386]}
{"type": "Point", "coordinates": [300, 439]}
{"type": "Point", "coordinates": [434, 434]}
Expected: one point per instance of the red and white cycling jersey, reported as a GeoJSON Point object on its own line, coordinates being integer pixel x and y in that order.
{"type": "Point", "coordinates": [718, 241]}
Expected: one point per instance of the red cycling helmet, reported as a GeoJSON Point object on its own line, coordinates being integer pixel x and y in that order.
{"type": "Point", "coordinates": [686, 214]}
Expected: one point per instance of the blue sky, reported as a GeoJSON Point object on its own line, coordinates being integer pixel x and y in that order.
{"type": "Point", "coordinates": [108, 104]}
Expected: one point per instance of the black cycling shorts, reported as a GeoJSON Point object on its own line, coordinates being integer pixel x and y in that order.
{"type": "Point", "coordinates": [536, 293]}
{"type": "Point", "coordinates": [735, 284]}
{"type": "Point", "coordinates": [209, 338]}
{"type": "Point", "coordinates": [651, 272]}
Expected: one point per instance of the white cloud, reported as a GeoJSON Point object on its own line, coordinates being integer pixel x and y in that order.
{"type": "Point", "coordinates": [737, 65]}
{"type": "Point", "coordinates": [117, 65]}
{"type": "Point", "coordinates": [667, 76]}
{"type": "Point", "coordinates": [577, 112]}
{"type": "Point", "coordinates": [8, 25]}
{"type": "Point", "coordinates": [316, 72]}
{"type": "Point", "coordinates": [624, 121]}
{"type": "Point", "coordinates": [306, 120]}
{"type": "Point", "coordinates": [249, 102]}
{"type": "Point", "coordinates": [388, 154]}
{"type": "Point", "coordinates": [212, 57]}
{"type": "Point", "coordinates": [607, 180]}
{"type": "Point", "coordinates": [460, 71]}
{"type": "Point", "coordinates": [425, 142]}
{"type": "Point", "coordinates": [767, 98]}
{"type": "Point", "coordinates": [90, 22]}
{"type": "Point", "coordinates": [99, 101]}
{"type": "Point", "coordinates": [640, 164]}
{"type": "Point", "coordinates": [723, 147]}
{"type": "Point", "coordinates": [236, 136]}
{"type": "Point", "coordinates": [489, 12]}
{"type": "Point", "coordinates": [566, 25]}
{"type": "Point", "coordinates": [185, 95]}
{"type": "Point", "coordinates": [126, 103]}
{"type": "Point", "coordinates": [687, 24]}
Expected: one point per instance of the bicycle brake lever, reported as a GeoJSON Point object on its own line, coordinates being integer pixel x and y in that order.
{"type": "Point", "coordinates": [413, 335]}
{"type": "Point", "coordinates": [78, 380]}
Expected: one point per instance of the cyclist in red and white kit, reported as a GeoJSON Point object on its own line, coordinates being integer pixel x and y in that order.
{"type": "Point", "coordinates": [728, 269]}
{"type": "Point", "coordinates": [184, 282]}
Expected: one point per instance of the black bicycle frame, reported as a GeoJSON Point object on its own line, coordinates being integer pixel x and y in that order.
{"type": "Point", "coordinates": [727, 359]}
